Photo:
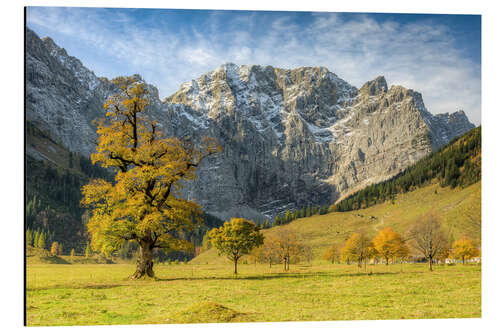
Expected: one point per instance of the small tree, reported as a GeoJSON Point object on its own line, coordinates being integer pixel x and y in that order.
{"type": "Point", "coordinates": [287, 245]}
{"type": "Point", "coordinates": [306, 252]}
{"type": "Point", "coordinates": [389, 244]}
{"type": "Point", "coordinates": [72, 254]}
{"type": "Point", "coordinates": [29, 237]}
{"type": "Point", "coordinates": [41, 240]}
{"type": "Point", "coordinates": [236, 239]}
{"type": "Point", "coordinates": [331, 253]}
{"type": "Point", "coordinates": [54, 249]}
{"type": "Point", "coordinates": [269, 251]}
{"type": "Point", "coordinates": [358, 248]}
{"type": "Point", "coordinates": [428, 237]}
{"type": "Point", "coordinates": [36, 238]}
{"type": "Point", "coordinates": [464, 248]}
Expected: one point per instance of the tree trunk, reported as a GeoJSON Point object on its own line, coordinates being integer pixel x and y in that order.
{"type": "Point", "coordinates": [284, 263]}
{"type": "Point", "coordinates": [387, 261]}
{"type": "Point", "coordinates": [430, 264]}
{"type": "Point", "coordinates": [144, 261]}
{"type": "Point", "coordinates": [463, 260]}
{"type": "Point", "coordinates": [236, 266]}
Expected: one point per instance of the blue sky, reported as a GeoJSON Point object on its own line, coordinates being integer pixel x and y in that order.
{"type": "Point", "coordinates": [437, 55]}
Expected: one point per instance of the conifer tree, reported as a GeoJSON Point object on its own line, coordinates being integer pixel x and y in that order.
{"type": "Point", "coordinates": [41, 240]}
{"type": "Point", "coordinates": [36, 237]}
{"type": "Point", "coordinates": [29, 237]}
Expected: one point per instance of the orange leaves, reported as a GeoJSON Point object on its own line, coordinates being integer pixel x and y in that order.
{"type": "Point", "coordinates": [464, 248]}
{"type": "Point", "coordinates": [389, 244]}
{"type": "Point", "coordinates": [330, 253]}
{"type": "Point", "coordinates": [357, 248]}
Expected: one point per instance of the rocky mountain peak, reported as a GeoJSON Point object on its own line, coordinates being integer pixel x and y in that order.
{"type": "Point", "coordinates": [374, 87]}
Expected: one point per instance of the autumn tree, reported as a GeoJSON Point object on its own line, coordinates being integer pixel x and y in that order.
{"type": "Point", "coordinates": [428, 237]}
{"type": "Point", "coordinates": [358, 248]}
{"type": "Point", "coordinates": [269, 252]}
{"type": "Point", "coordinates": [389, 244]}
{"type": "Point", "coordinates": [54, 249]}
{"type": "Point", "coordinates": [72, 254]}
{"type": "Point", "coordinates": [464, 248]}
{"type": "Point", "coordinates": [143, 204]}
{"type": "Point", "coordinates": [287, 245]}
{"type": "Point", "coordinates": [235, 239]}
{"type": "Point", "coordinates": [306, 253]}
{"type": "Point", "coordinates": [331, 253]}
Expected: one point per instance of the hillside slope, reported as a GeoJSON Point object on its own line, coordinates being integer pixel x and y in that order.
{"type": "Point", "coordinates": [459, 210]}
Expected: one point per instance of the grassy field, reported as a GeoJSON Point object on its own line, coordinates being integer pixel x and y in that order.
{"type": "Point", "coordinates": [455, 208]}
{"type": "Point", "coordinates": [101, 294]}
{"type": "Point", "coordinates": [78, 291]}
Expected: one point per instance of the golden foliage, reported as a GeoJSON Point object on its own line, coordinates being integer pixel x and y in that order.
{"type": "Point", "coordinates": [330, 253]}
{"type": "Point", "coordinates": [143, 203]}
{"type": "Point", "coordinates": [389, 244]}
{"type": "Point", "coordinates": [55, 249]}
{"type": "Point", "coordinates": [464, 249]}
{"type": "Point", "coordinates": [236, 238]}
{"type": "Point", "coordinates": [357, 248]}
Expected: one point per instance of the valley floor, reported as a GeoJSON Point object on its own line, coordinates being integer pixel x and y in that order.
{"type": "Point", "coordinates": [101, 294]}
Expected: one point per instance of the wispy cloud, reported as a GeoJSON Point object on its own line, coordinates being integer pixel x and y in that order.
{"type": "Point", "coordinates": [421, 55]}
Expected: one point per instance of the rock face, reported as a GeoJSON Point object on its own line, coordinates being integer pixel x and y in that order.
{"type": "Point", "coordinates": [290, 137]}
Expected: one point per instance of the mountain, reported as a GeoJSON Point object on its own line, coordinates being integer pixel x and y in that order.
{"type": "Point", "coordinates": [290, 138]}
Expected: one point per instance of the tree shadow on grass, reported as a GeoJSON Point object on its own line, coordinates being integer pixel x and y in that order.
{"type": "Point", "coordinates": [277, 276]}
{"type": "Point", "coordinates": [79, 286]}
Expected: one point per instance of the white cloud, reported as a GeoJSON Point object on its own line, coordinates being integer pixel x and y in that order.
{"type": "Point", "coordinates": [419, 56]}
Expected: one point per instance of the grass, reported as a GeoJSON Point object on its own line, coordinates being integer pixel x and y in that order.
{"type": "Point", "coordinates": [454, 207]}
{"type": "Point", "coordinates": [205, 290]}
{"type": "Point", "coordinates": [185, 293]}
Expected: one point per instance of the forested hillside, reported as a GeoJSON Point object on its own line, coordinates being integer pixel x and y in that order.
{"type": "Point", "coordinates": [456, 164]}
{"type": "Point", "coordinates": [53, 194]}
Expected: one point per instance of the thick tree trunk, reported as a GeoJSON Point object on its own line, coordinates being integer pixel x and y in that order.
{"type": "Point", "coordinates": [144, 261]}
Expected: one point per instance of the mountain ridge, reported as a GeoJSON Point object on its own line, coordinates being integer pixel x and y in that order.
{"type": "Point", "coordinates": [291, 137]}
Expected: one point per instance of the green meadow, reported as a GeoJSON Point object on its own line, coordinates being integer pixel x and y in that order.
{"type": "Point", "coordinates": [101, 294]}
{"type": "Point", "coordinates": [78, 291]}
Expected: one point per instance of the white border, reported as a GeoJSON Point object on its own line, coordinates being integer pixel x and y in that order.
{"type": "Point", "coordinates": [12, 160]}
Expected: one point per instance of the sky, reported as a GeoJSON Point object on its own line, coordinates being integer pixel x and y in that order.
{"type": "Point", "coordinates": [437, 55]}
